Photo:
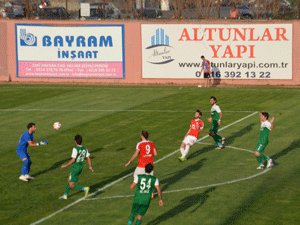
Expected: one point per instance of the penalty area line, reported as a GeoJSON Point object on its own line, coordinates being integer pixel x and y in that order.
{"type": "Point", "coordinates": [124, 177]}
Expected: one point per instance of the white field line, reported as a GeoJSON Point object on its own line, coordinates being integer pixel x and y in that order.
{"type": "Point", "coordinates": [124, 177]}
{"type": "Point", "coordinates": [220, 184]}
{"type": "Point", "coordinates": [228, 146]}
{"type": "Point", "coordinates": [189, 189]}
{"type": "Point", "coordinates": [106, 110]}
{"type": "Point", "coordinates": [198, 187]}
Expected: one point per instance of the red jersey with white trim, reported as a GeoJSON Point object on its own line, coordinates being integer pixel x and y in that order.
{"type": "Point", "coordinates": [196, 127]}
{"type": "Point", "coordinates": [146, 155]}
{"type": "Point", "coordinates": [206, 66]}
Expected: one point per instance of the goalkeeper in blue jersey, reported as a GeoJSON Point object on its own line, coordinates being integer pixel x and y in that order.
{"type": "Point", "coordinates": [26, 140]}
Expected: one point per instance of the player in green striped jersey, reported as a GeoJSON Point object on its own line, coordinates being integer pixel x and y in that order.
{"type": "Point", "coordinates": [265, 128]}
{"type": "Point", "coordinates": [79, 154]}
{"type": "Point", "coordinates": [145, 184]}
{"type": "Point", "coordinates": [215, 120]}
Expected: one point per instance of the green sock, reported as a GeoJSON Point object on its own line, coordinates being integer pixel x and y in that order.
{"type": "Point", "coordinates": [259, 160]}
{"type": "Point", "coordinates": [78, 187]}
{"type": "Point", "coordinates": [138, 222]}
{"type": "Point", "coordinates": [67, 190]}
{"type": "Point", "coordinates": [264, 157]}
{"type": "Point", "coordinates": [217, 139]}
{"type": "Point", "coordinates": [130, 219]}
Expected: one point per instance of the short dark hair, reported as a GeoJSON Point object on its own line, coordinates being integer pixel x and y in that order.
{"type": "Point", "coordinates": [202, 57]}
{"type": "Point", "coordinates": [148, 168]}
{"type": "Point", "coordinates": [265, 114]}
{"type": "Point", "coordinates": [198, 111]}
{"type": "Point", "coordinates": [214, 98]}
{"type": "Point", "coordinates": [29, 125]}
{"type": "Point", "coordinates": [145, 134]}
{"type": "Point", "coordinates": [78, 139]}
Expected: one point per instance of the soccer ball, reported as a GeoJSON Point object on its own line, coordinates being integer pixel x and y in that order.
{"type": "Point", "coordinates": [56, 125]}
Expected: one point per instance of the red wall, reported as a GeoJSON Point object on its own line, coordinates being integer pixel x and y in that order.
{"type": "Point", "coordinates": [133, 54]}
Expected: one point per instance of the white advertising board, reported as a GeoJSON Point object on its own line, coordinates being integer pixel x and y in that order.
{"type": "Point", "coordinates": [235, 51]}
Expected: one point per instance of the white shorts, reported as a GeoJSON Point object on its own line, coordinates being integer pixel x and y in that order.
{"type": "Point", "coordinates": [189, 140]}
{"type": "Point", "coordinates": [140, 170]}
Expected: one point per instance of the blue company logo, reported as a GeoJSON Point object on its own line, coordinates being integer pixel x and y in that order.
{"type": "Point", "coordinates": [160, 49]}
{"type": "Point", "coordinates": [27, 39]}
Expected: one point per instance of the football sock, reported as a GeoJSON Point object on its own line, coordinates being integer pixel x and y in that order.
{"type": "Point", "coordinates": [186, 151]}
{"type": "Point", "coordinates": [181, 150]}
{"type": "Point", "coordinates": [138, 222]}
{"type": "Point", "coordinates": [78, 187]}
{"type": "Point", "coordinates": [259, 160]}
{"type": "Point", "coordinates": [28, 168]}
{"type": "Point", "coordinates": [130, 219]}
{"type": "Point", "coordinates": [67, 190]}
{"type": "Point", "coordinates": [217, 139]}
{"type": "Point", "coordinates": [264, 157]}
{"type": "Point", "coordinates": [24, 167]}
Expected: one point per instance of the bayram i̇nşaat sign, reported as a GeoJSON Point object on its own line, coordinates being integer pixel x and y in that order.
{"type": "Point", "coordinates": [91, 51]}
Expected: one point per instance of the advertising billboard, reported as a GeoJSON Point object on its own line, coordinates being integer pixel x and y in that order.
{"type": "Point", "coordinates": [89, 51]}
{"type": "Point", "coordinates": [235, 51]}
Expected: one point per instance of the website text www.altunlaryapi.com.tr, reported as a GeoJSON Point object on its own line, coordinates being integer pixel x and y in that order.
{"type": "Point", "coordinates": [219, 69]}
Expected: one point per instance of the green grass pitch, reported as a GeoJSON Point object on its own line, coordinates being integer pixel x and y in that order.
{"type": "Point", "coordinates": [210, 188]}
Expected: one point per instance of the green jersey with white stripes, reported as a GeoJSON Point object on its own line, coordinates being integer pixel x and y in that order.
{"type": "Point", "coordinates": [265, 129]}
{"type": "Point", "coordinates": [79, 153]}
{"type": "Point", "coordinates": [144, 188]}
{"type": "Point", "coordinates": [215, 112]}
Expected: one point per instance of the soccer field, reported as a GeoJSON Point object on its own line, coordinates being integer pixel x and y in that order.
{"type": "Point", "coordinates": [213, 187]}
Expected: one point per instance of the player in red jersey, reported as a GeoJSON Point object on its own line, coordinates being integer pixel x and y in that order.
{"type": "Point", "coordinates": [146, 151]}
{"type": "Point", "coordinates": [196, 126]}
{"type": "Point", "coordinates": [206, 68]}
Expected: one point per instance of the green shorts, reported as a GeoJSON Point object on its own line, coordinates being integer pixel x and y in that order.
{"type": "Point", "coordinates": [138, 209]}
{"type": "Point", "coordinates": [75, 171]}
{"type": "Point", "coordinates": [261, 147]}
{"type": "Point", "coordinates": [214, 126]}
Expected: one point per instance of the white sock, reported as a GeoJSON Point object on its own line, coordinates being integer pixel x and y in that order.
{"type": "Point", "coordinates": [186, 151]}
{"type": "Point", "coordinates": [181, 150]}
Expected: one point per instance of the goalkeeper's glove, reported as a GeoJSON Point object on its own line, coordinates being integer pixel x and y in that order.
{"type": "Point", "coordinates": [43, 142]}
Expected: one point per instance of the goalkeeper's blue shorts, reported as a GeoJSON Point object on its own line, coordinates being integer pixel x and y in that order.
{"type": "Point", "coordinates": [23, 155]}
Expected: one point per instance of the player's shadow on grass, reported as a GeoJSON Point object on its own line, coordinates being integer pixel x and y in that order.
{"type": "Point", "coordinates": [59, 163]}
{"type": "Point", "coordinates": [165, 183]}
{"type": "Point", "coordinates": [229, 140]}
{"type": "Point", "coordinates": [201, 151]}
{"type": "Point", "coordinates": [295, 144]}
{"type": "Point", "coordinates": [195, 200]}
{"type": "Point", "coordinates": [120, 149]}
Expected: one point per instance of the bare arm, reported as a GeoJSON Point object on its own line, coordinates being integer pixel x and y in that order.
{"type": "Point", "coordinates": [219, 121]}
{"type": "Point", "coordinates": [32, 144]}
{"type": "Point", "coordinates": [159, 195]}
{"type": "Point", "coordinates": [155, 152]}
{"type": "Point", "coordinates": [90, 164]}
{"type": "Point", "coordinates": [132, 185]}
{"type": "Point", "coordinates": [69, 163]}
{"type": "Point", "coordinates": [272, 122]}
{"type": "Point", "coordinates": [201, 128]}
{"type": "Point", "coordinates": [132, 157]}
